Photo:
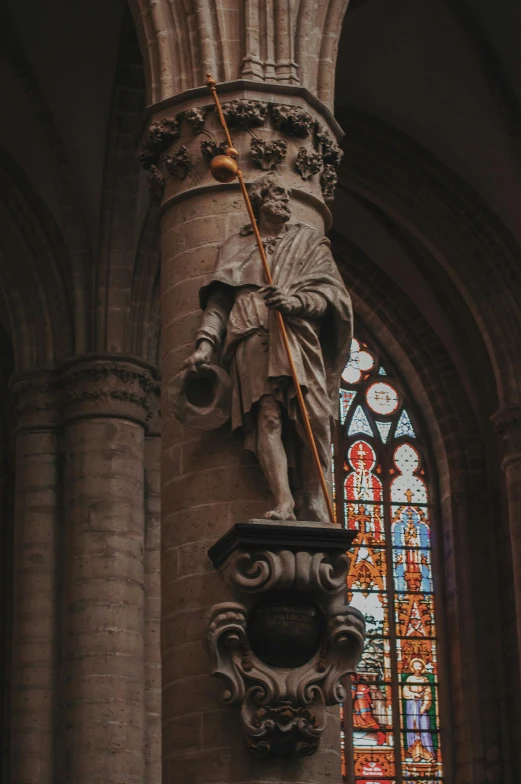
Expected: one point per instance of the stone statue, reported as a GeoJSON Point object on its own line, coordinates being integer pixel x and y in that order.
{"type": "Point", "coordinates": [240, 330]}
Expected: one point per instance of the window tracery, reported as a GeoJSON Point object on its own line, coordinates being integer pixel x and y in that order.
{"type": "Point", "coordinates": [381, 489]}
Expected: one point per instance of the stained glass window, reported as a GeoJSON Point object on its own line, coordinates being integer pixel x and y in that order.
{"type": "Point", "coordinates": [391, 724]}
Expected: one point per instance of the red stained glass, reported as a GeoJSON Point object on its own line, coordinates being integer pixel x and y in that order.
{"type": "Point", "coordinates": [395, 718]}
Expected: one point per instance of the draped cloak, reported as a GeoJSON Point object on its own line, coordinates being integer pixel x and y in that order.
{"type": "Point", "coordinates": [301, 263]}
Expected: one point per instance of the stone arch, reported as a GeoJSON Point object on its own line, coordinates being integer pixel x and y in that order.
{"type": "Point", "coordinates": [35, 274]}
{"type": "Point", "coordinates": [450, 222]}
{"type": "Point", "coordinates": [121, 210]}
{"type": "Point", "coordinates": [471, 530]}
{"type": "Point", "coordinates": [144, 315]}
{"type": "Point", "coordinates": [72, 223]}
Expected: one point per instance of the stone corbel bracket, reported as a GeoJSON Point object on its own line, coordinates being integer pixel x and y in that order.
{"type": "Point", "coordinates": [283, 648]}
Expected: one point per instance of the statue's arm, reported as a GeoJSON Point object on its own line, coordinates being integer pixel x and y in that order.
{"type": "Point", "coordinates": [210, 334]}
{"type": "Point", "coordinates": [215, 316]}
{"type": "Point", "coordinates": [313, 304]}
{"type": "Point", "coordinates": [309, 304]}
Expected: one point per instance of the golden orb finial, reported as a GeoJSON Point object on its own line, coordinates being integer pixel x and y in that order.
{"type": "Point", "coordinates": [224, 168]}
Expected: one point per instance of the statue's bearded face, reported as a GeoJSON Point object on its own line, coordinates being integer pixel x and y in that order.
{"type": "Point", "coordinates": [276, 204]}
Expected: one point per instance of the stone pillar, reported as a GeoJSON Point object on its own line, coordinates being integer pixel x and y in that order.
{"type": "Point", "coordinates": [152, 603]}
{"type": "Point", "coordinates": [35, 581]}
{"type": "Point", "coordinates": [208, 481]}
{"type": "Point", "coordinates": [106, 401]}
{"type": "Point", "coordinates": [507, 422]}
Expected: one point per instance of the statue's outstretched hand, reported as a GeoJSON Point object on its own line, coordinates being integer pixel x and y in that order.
{"type": "Point", "coordinates": [275, 299]}
{"type": "Point", "coordinates": [201, 356]}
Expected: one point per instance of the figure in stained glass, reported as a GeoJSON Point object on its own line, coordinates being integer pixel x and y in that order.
{"type": "Point", "coordinates": [367, 701]}
{"type": "Point", "coordinates": [386, 499]}
{"type": "Point", "coordinates": [417, 696]}
{"type": "Point", "coordinates": [409, 533]}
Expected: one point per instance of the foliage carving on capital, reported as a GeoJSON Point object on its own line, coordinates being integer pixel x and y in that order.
{"type": "Point", "coordinates": [159, 138]}
{"type": "Point", "coordinates": [108, 387]}
{"type": "Point", "coordinates": [267, 155]}
{"type": "Point", "coordinates": [293, 120]}
{"type": "Point", "coordinates": [156, 184]}
{"type": "Point", "coordinates": [243, 113]}
{"type": "Point", "coordinates": [326, 145]}
{"type": "Point", "coordinates": [195, 118]}
{"type": "Point", "coordinates": [35, 399]}
{"type": "Point", "coordinates": [328, 181]}
{"type": "Point", "coordinates": [178, 164]}
{"type": "Point", "coordinates": [308, 163]}
{"type": "Point", "coordinates": [211, 149]}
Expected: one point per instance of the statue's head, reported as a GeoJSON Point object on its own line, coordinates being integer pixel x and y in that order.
{"type": "Point", "coordinates": [269, 198]}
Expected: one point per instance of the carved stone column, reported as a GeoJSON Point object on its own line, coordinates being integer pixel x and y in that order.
{"type": "Point", "coordinates": [36, 560]}
{"type": "Point", "coordinates": [152, 601]}
{"type": "Point", "coordinates": [208, 481]}
{"type": "Point", "coordinates": [106, 401]}
{"type": "Point", "coordinates": [508, 425]}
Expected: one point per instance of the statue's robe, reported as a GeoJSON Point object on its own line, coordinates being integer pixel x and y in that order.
{"type": "Point", "coordinates": [237, 319]}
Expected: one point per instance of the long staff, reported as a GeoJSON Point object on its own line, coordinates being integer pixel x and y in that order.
{"type": "Point", "coordinates": [212, 84]}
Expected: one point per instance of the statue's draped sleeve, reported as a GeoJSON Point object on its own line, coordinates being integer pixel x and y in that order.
{"type": "Point", "coordinates": [215, 315]}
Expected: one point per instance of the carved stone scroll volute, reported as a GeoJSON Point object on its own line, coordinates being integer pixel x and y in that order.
{"type": "Point", "coordinates": [284, 647]}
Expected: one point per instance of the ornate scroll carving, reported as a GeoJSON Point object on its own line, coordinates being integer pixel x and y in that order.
{"type": "Point", "coordinates": [267, 155]}
{"type": "Point", "coordinates": [283, 650]}
{"type": "Point", "coordinates": [328, 182]}
{"type": "Point", "coordinates": [179, 163]}
{"type": "Point", "coordinates": [242, 113]}
{"type": "Point", "coordinates": [308, 163]}
{"type": "Point", "coordinates": [293, 120]}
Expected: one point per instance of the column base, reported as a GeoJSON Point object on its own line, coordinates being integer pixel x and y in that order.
{"type": "Point", "coordinates": [284, 646]}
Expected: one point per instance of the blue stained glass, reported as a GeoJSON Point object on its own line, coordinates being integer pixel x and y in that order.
{"type": "Point", "coordinates": [360, 423]}
{"type": "Point", "coordinates": [384, 429]}
{"type": "Point", "coordinates": [346, 398]}
{"type": "Point", "coordinates": [404, 426]}
{"type": "Point", "coordinates": [372, 486]}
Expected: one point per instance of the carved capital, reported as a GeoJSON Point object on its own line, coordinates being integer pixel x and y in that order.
{"type": "Point", "coordinates": [507, 422]}
{"type": "Point", "coordinates": [285, 645]}
{"type": "Point", "coordinates": [35, 396]}
{"type": "Point", "coordinates": [195, 118]}
{"type": "Point", "coordinates": [108, 387]}
{"type": "Point", "coordinates": [293, 120]}
{"type": "Point", "coordinates": [243, 113]}
{"type": "Point", "coordinates": [267, 155]}
{"type": "Point", "coordinates": [178, 163]}
{"type": "Point", "coordinates": [328, 180]}
{"type": "Point", "coordinates": [308, 163]}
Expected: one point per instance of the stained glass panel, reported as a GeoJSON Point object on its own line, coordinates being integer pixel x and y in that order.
{"type": "Point", "coordinates": [360, 423]}
{"type": "Point", "coordinates": [404, 426]}
{"type": "Point", "coordinates": [384, 429]}
{"type": "Point", "coordinates": [382, 398]}
{"type": "Point", "coordinates": [394, 720]}
{"type": "Point", "coordinates": [346, 398]}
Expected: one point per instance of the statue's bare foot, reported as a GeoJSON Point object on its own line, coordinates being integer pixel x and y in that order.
{"type": "Point", "coordinates": [281, 512]}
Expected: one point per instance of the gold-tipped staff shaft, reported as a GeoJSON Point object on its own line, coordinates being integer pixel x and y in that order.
{"type": "Point", "coordinates": [211, 83]}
